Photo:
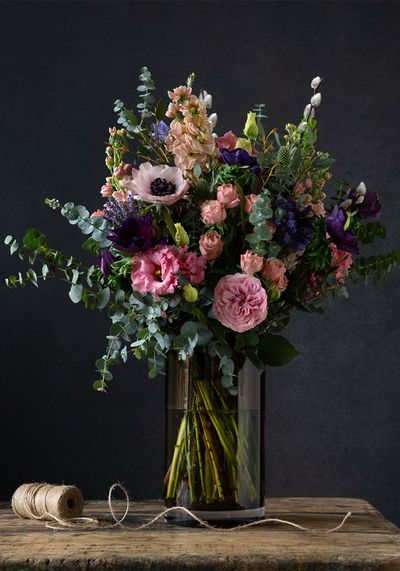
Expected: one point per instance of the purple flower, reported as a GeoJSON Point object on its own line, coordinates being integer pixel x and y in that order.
{"type": "Point", "coordinates": [134, 235]}
{"type": "Point", "coordinates": [105, 260]}
{"type": "Point", "coordinates": [241, 158]}
{"type": "Point", "coordinates": [370, 207]}
{"type": "Point", "coordinates": [293, 228]}
{"type": "Point", "coordinates": [159, 131]}
{"type": "Point", "coordinates": [343, 239]}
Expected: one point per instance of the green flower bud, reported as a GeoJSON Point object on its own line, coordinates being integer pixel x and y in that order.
{"type": "Point", "coordinates": [251, 128]}
{"type": "Point", "coordinates": [181, 236]}
{"type": "Point", "coordinates": [274, 293]}
{"type": "Point", "coordinates": [190, 293]}
{"type": "Point", "coordinates": [245, 144]}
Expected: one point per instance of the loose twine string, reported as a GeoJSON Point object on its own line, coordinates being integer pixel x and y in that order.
{"type": "Point", "coordinates": [23, 504]}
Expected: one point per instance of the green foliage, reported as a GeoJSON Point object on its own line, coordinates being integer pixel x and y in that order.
{"type": "Point", "coordinates": [374, 267]}
{"type": "Point", "coordinates": [275, 350]}
{"type": "Point", "coordinates": [367, 233]}
{"type": "Point", "coordinates": [145, 89]}
{"type": "Point", "coordinates": [319, 255]}
{"type": "Point", "coordinates": [261, 213]}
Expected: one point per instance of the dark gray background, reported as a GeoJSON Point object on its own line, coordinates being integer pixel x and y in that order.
{"type": "Point", "coordinates": [333, 421]}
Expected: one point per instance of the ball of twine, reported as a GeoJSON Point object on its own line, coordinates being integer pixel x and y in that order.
{"type": "Point", "coordinates": [47, 501]}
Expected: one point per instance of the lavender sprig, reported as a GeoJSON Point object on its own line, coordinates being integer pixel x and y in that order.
{"type": "Point", "coordinates": [117, 212]}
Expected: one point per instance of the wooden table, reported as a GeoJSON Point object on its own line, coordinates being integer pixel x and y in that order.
{"type": "Point", "coordinates": [367, 541]}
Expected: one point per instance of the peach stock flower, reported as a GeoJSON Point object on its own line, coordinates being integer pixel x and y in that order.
{"type": "Point", "coordinates": [240, 302]}
{"type": "Point", "coordinates": [211, 245]}
{"type": "Point", "coordinates": [228, 195]}
{"type": "Point", "coordinates": [251, 262]}
{"type": "Point", "coordinates": [212, 212]}
{"type": "Point", "coordinates": [342, 261]}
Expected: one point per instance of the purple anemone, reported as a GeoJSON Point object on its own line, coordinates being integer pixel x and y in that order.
{"type": "Point", "coordinates": [241, 158]}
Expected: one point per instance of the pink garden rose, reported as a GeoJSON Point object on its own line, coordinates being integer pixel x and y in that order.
{"type": "Point", "coordinates": [249, 200]}
{"type": "Point", "coordinates": [228, 195]}
{"type": "Point", "coordinates": [155, 271]}
{"type": "Point", "coordinates": [240, 302]}
{"type": "Point", "coordinates": [228, 141]}
{"type": "Point", "coordinates": [212, 212]}
{"type": "Point", "coordinates": [342, 261]}
{"type": "Point", "coordinates": [211, 244]}
{"type": "Point", "coordinates": [251, 262]}
{"type": "Point", "coordinates": [274, 272]}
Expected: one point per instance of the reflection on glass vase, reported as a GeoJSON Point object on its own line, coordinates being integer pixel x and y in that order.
{"type": "Point", "coordinates": [215, 442]}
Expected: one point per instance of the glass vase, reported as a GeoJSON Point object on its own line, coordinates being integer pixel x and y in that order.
{"type": "Point", "coordinates": [215, 442]}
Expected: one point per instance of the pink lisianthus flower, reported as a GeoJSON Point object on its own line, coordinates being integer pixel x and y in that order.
{"type": "Point", "coordinates": [227, 195]}
{"type": "Point", "coordinates": [251, 262]}
{"type": "Point", "coordinates": [228, 141]}
{"type": "Point", "coordinates": [212, 212]}
{"type": "Point", "coordinates": [240, 302]}
{"type": "Point", "coordinates": [155, 271]}
{"type": "Point", "coordinates": [274, 272]}
{"type": "Point", "coordinates": [159, 184]}
{"type": "Point", "coordinates": [249, 200]}
{"type": "Point", "coordinates": [342, 261]}
{"type": "Point", "coordinates": [211, 244]}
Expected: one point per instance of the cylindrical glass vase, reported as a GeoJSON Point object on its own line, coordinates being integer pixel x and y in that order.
{"type": "Point", "coordinates": [215, 442]}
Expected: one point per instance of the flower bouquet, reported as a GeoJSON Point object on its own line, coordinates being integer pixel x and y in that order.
{"type": "Point", "coordinates": [202, 247]}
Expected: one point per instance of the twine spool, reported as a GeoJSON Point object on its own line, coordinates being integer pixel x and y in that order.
{"type": "Point", "coordinates": [47, 501]}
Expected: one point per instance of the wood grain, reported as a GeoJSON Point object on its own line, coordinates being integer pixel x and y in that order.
{"type": "Point", "coordinates": [367, 542]}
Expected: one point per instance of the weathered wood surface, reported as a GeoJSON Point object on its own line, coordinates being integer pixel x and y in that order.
{"type": "Point", "coordinates": [367, 542]}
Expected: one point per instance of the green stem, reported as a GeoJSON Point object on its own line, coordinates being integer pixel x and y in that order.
{"type": "Point", "coordinates": [173, 477]}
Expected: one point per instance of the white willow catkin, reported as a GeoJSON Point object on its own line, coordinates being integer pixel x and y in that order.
{"type": "Point", "coordinates": [47, 501]}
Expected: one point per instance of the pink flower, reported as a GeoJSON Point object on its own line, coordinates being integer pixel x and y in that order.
{"type": "Point", "coordinates": [211, 244]}
{"type": "Point", "coordinates": [191, 265]}
{"type": "Point", "coordinates": [251, 262]}
{"type": "Point", "coordinates": [106, 190]}
{"type": "Point", "coordinates": [228, 141]}
{"type": "Point", "coordinates": [342, 261]}
{"type": "Point", "coordinates": [228, 195]}
{"type": "Point", "coordinates": [318, 209]}
{"type": "Point", "coordinates": [158, 184]}
{"type": "Point", "coordinates": [212, 212]}
{"type": "Point", "coordinates": [120, 196]}
{"type": "Point", "coordinates": [249, 200]}
{"type": "Point", "coordinates": [154, 271]}
{"type": "Point", "coordinates": [240, 302]}
{"type": "Point", "coordinates": [97, 213]}
{"type": "Point", "coordinates": [274, 272]}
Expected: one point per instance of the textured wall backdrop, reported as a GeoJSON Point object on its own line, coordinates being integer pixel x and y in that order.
{"type": "Point", "coordinates": [333, 422]}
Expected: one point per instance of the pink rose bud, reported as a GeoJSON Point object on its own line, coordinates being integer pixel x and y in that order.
{"type": "Point", "coordinates": [98, 213]}
{"type": "Point", "coordinates": [251, 262]}
{"type": "Point", "coordinates": [274, 272]}
{"type": "Point", "coordinates": [271, 227]}
{"type": "Point", "coordinates": [211, 244]}
{"type": "Point", "coordinates": [212, 212]}
{"type": "Point", "coordinates": [249, 200]}
{"type": "Point", "coordinates": [228, 195]}
{"type": "Point", "coordinates": [228, 141]}
{"type": "Point", "coordinates": [106, 190]}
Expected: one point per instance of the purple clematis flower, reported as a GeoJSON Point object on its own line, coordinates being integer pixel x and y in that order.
{"type": "Point", "coordinates": [370, 207]}
{"type": "Point", "coordinates": [159, 131]}
{"type": "Point", "coordinates": [241, 158]}
{"type": "Point", "coordinates": [343, 239]}
{"type": "Point", "coordinates": [134, 235]}
{"type": "Point", "coordinates": [105, 260]}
